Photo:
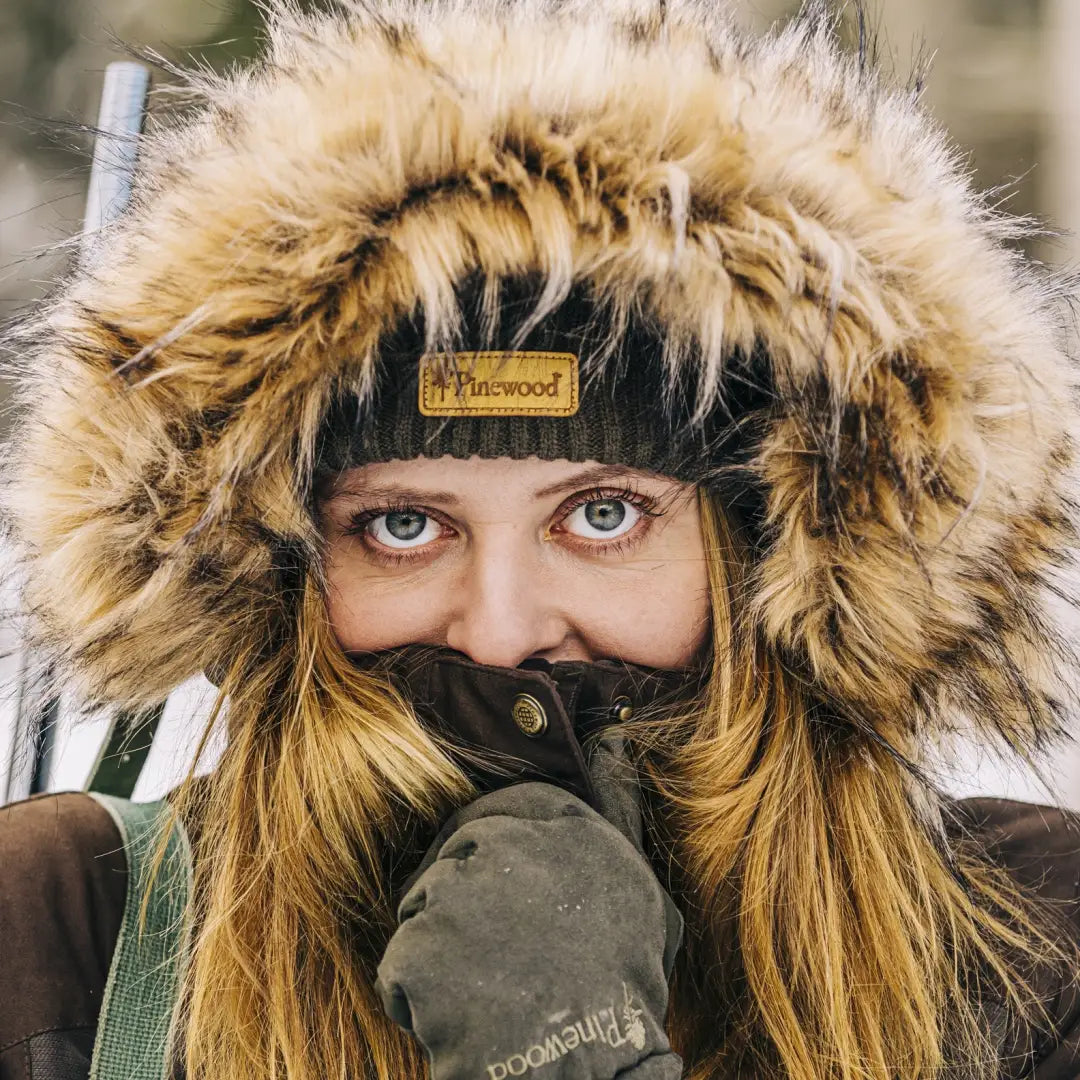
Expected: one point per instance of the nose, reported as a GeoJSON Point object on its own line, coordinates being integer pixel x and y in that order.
{"type": "Point", "coordinates": [505, 608]}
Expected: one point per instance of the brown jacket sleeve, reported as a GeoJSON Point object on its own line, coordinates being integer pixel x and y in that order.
{"type": "Point", "coordinates": [1040, 847]}
{"type": "Point", "coordinates": [63, 881]}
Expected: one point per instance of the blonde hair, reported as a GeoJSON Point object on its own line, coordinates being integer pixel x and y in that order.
{"type": "Point", "coordinates": [827, 935]}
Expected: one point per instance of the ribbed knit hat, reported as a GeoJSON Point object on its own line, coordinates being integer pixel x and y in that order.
{"type": "Point", "coordinates": [622, 409]}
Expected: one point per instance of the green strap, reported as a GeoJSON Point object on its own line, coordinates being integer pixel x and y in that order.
{"type": "Point", "coordinates": [135, 1026]}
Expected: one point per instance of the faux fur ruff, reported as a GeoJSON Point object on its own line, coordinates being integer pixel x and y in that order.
{"type": "Point", "coordinates": [914, 456]}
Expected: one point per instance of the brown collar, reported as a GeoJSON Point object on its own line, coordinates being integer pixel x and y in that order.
{"type": "Point", "coordinates": [531, 719]}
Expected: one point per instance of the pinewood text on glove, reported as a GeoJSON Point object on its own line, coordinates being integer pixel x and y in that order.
{"type": "Point", "coordinates": [572, 1036]}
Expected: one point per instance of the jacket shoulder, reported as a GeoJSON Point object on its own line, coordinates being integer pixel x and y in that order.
{"type": "Point", "coordinates": [63, 885]}
{"type": "Point", "coordinates": [1039, 847]}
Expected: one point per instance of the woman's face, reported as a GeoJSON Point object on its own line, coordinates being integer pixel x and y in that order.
{"type": "Point", "coordinates": [506, 560]}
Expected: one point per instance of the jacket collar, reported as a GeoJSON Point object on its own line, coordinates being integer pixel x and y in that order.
{"type": "Point", "coordinates": [530, 721]}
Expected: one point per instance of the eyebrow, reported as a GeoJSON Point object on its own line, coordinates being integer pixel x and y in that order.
{"type": "Point", "coordinates": [392, 491]}
{"type": "Point", "coordinates": [595, 475]}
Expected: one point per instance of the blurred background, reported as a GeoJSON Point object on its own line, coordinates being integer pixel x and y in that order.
{"type": "Point", "coordinates": [1004, 78]}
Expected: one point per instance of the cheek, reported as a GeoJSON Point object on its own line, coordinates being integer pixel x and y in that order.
{"type": "Point", "coordinates": [368, 613]}
{"type": "Point", "coordinates": [658, 616]}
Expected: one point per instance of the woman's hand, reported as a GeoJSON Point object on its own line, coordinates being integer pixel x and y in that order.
{"type": "Point", "coordinates": [534, 937]}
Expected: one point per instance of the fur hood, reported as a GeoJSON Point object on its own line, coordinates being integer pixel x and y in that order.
{"type": "Point", "coordinates": [773, 196]}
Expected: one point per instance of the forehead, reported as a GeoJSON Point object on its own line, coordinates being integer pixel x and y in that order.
{"type": "Point", "coordinates": [478, 481]}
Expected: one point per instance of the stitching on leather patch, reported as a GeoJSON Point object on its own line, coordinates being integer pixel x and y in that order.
{"type": "Point", "coordinates": [499, 383]}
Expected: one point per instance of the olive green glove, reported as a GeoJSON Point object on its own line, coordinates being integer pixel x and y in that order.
{"type": "Point", "coordinates": [535, 937]}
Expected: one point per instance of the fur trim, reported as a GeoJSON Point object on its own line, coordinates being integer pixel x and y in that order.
{"type": "Point", "coordinates": [771, 194]}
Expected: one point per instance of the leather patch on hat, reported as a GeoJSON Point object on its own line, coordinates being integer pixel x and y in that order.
{"type": "Point", "coordinates": [499, 383]}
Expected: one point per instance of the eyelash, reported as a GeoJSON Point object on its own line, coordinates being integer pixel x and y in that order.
{"type": "Point", "coordinates": [645, 504]}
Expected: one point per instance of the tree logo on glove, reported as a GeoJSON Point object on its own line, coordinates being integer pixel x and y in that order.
{"type": "Point", "coordinates": [635, 1029]}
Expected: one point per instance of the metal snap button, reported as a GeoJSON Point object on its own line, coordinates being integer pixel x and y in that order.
{"type": "Point", "coordinates": [529, 715]}
{"type": "Point", "coordinates": [622, 708]}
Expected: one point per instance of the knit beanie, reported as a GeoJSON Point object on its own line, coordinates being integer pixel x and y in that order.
{"type": "Point", "coordinates": [552, 392]}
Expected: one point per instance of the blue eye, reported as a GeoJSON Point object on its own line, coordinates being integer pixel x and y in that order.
{"type": "Point", "coordinates": [605, 514]}
{"type": "Point", "coordinates": [602, 519]}
{"type": "Point", "coordinates": [407, 525]}
{"type": "Point", "coordinates": [403, 529]}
